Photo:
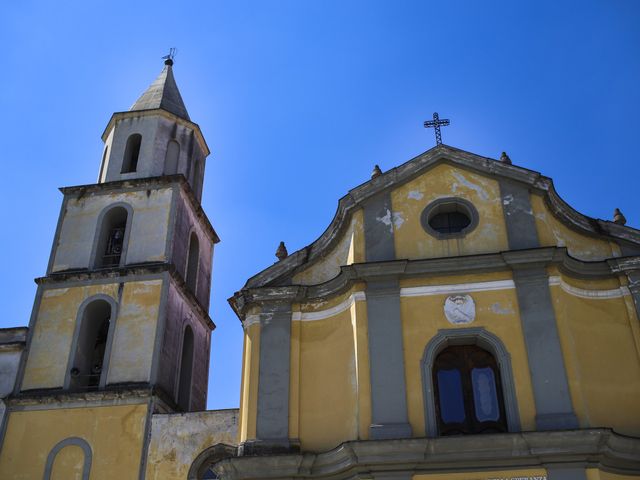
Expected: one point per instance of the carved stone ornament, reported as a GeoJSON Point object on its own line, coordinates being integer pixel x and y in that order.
{"type": "Point", "coordinates": [460, 309]}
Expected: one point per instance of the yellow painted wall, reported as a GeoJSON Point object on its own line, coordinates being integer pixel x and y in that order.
{"type": "Point", "coordinates": [600, 342]}
{"type": "Point", "coordinates": [133, 341]}
{"type": "Point", "coordinates": [53, 334]}
{"type": "Point", "coordinates": [249, 387]}
{"type": "Point", "coordinates": [496, 311]}
{"type": "Point", "coordinates": [68, 464]}
{"type": "Point", "coordinates": [409, 200]}
{"type": "Point", "coordinates": [327, 382]}
{"type": "Point", "coordinates": [552, 232]}
{"type": "Point", "coordinates": [115, 435]}
{"type": "Point", "coordinates": [486, 475]}
{"type": "Point", "coordinates": [348, 250]}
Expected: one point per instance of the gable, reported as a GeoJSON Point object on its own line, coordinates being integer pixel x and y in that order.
{"type": "Point", "coordinates": [395, 202]}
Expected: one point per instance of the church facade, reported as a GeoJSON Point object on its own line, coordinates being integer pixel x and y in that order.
{"type": "Point", "coordinates": [456, 320]}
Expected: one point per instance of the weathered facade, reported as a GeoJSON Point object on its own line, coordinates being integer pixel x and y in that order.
{"type": "Point", "coordinates": [456, 320]}
{"type": "Point", "coordinates": [116, 355]}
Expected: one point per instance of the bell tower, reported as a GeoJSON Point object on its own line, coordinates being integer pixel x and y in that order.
{"type": "Point", "coordinates": [120, 327]}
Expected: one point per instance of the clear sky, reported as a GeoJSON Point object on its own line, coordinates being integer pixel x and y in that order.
{"type": "Point", "coordinates": [298, 100]}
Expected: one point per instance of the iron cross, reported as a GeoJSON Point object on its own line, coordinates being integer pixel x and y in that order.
{"type": "Point", "coordinates": [436, 123]}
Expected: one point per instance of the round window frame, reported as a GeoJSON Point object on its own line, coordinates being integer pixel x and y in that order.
{"type": "Point", "coordinates": [432, 209]}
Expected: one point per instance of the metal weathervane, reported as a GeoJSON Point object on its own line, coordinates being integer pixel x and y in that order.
{"type": "Point", "coordinates": [436, 123]}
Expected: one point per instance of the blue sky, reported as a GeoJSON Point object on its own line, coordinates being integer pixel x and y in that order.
{"type": "Point", "coordinates": [298, 100]}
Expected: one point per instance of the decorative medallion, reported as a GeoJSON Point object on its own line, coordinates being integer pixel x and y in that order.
{"type": "Point", "coordinates": [460, 309]}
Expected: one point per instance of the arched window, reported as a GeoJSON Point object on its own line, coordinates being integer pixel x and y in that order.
{"type": "Point", "coordinates": [171, 159]}
{"type": "Point", "coordinates": [191, 275]}
{"type": "Point", "coordinates": [195, 181]}
{"type": "Point", "coordinates": [131, 153]}
{"type": "Point", "coordinates": [90, 346]}
{"type": "Point", "coordinates": [186, 367]}
{"type": "Point", "coordinates": [468, 391]}
{"type": "Point", "coordinates": [111, 238]}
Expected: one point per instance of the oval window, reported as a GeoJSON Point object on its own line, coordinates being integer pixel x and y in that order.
{"type": "Point", "coordinates": [449, 217]}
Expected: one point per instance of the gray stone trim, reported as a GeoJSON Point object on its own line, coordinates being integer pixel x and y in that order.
{"type": "Point", "coordinates": [173, 213]}
{"type": "Point", "coordinates": [389, 418]}
{"type": "Point", "coordinates": [119, 116]}
{"type": "Point", "coordinates": [127, 274]}
{"type": "Point", "coordinates": [4, 420]}
{"type": "Point", "coordinates": [349, 274]}
{"type": "Point", "coordinates": [466, 204]}
{"type": "Point", "coordinates": [56, 235]}
{"type": "Point", "coordinates": [208, 457]}
{"type": "Point", "coordinates": [357, 197]}
{"type": "Point", "coordinates": [566, 473]}
{"type": "Point", "coordinates": [160, 329]}
{"type": "Point", "coordinates": [54, 399]}
{"type": "Point", "coordinates": [518, 216]}
{"type": "Point", "coordinates": [76, 333]}
{"type": "Point", "coordinates": [378, 229]}
{"type": "Point", "coordinates": [468, 336]}
{"type": "Point", "coordinates": [147, 183]}
{"type": "Point", "coordinates": [93, 259]}
{"type": "Point", "coordinates": [25, 355]}
{"type": "Point", "coordinates": [71, 441]}
{"type": "Point", "coordinates": [554, 409]}
{"type": "Point", "coordinates": [272, 422]}
{"type": "Point", "coordinates": [595, 448]}
{"type": "Point", "coordinates": [146, 440]}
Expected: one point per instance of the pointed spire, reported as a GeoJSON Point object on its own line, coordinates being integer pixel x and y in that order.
{"type": "Point", "coordinates": [618, 217]}
{"type": "Point", "coordinates": [163, 93]}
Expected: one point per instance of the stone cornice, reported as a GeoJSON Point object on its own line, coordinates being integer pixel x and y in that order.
{"type": "Point", "coordinates": [349, 274]}
{"type": "Point", "coordinates": [147, 183]}
{"type": "Point", "coordinates": [589, 448]}
{"type": "Point", "coordinates": [534, 181]}
{"type": "Point", "coordinates": [121, 274]}
{"type": "Point", "coordinates": [117, 116]}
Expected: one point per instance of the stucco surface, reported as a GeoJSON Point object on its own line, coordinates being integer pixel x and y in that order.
{"type": "Point", "coordinates": [147, 239]}
{"type": "Point", "coordinates": [53, 333]}
{"type": "Point", "coordinates": [177, 439]}
{"type": "Point", "coordinates": [348, 250]}
{"type": "Point", "coordinates": [114, 434]}
{"type": "Point", "coordinates": [552, 231]}
{"type": "Point", "coordinates": [443, 181]}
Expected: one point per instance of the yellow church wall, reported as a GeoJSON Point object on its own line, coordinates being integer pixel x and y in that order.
{"type": "Point", "coordinates": [53, 333]}
{"type": "Point", "coordinates": [133, 342]}
{"type": "Point", "coordinates": [114, 433]}
{"type": "Point", "coordinates": [349, 249]}
{"type": "Point", "coordinates": [327, 376]}
{"type": "Point", "coordinates": [68, 464]}
{"type": "Point", "coordinates": [552, 232]}
{"type": "Point", "coordinates": [496, 311]}
{"type": "Point", "coordinates": [600, 342]}
{"type": "Point", "coordinates": [249, 383]}
{"type": "Point", "coordinates": [520, 474]}
{"type": "Point", "coordinates": [409, 200]}
{"type": "Point", "coordinates": [149, 227]}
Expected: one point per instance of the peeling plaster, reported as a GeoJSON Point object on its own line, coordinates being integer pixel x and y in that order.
{"type": "Point", "coordinates": [496, 308]}
{"type": "Point", "coordinates": [482, 193]}
{"type": "Point", "coordinates": [415, 195]}
{"type": "Point", "coordinates": [387, 220]}
{"type": "Point", "coordinates": [398, 219]}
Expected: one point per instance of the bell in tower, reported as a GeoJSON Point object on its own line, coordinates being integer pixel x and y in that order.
{"type": "Point", "coordinates": [120, 328]}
